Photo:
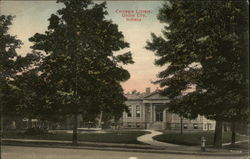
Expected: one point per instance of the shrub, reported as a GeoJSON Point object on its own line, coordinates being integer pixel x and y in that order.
{"type": "Point", "coordinates": [36, 131]}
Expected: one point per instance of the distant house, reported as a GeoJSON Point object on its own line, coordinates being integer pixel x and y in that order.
{"type": "Point", "coordinates": [147, 111]}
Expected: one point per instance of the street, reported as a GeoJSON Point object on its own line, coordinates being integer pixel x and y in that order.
{"type": "Point", "coordinates": [19, 152]}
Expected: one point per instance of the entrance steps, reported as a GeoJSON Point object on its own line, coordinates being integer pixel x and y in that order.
{"type": "Point", "coordinates": [156, 126]}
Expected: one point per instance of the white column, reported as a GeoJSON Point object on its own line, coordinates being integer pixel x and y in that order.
{"type": "Point", "coordinates": [154, 113]}
{"type": "Point", "coordinates": [164, 116]}
{"type": "Point", "coordinates": [151, 112]}
{"type": "Point", "coordinates": [143, 110]}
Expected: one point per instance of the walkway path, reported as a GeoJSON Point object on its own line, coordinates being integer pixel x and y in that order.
{"type": "Point", "coordinates": [148, 139]}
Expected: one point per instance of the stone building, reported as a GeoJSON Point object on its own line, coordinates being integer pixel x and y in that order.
{"type": "Point", "coordinates": [147, 112]}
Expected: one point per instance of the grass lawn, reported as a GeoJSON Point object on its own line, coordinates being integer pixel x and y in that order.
{"type": "Point", "coordinates": [125, 137]}
{"type": "Point", "coordinates": [194, 138]}
{"type": "Point", "coordinates": [239, 146]}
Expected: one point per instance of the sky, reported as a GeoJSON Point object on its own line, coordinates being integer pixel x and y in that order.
{"type": "Point", "coordinates": [32, 17]}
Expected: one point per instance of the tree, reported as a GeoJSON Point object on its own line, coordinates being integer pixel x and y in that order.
{"type": "Point", "coordinates": [80, 70]}
{"type": "Point", "coordinates": [205, 44]}
{"type": "Point", "coordinates": [10, 65]}
{"type": "Point", "coordinates": [31, 103]}
{"type": "Point", "coordinates": [8, 46]}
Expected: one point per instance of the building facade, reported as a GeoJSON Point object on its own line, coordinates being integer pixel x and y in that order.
{"type": "Point", "coordinates": [147, 111]}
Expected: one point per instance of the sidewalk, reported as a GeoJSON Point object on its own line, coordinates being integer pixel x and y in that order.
{"type": "Point", "coordinates": [187, 150]}
{"type": "Point", "coordinates": [148, 139]}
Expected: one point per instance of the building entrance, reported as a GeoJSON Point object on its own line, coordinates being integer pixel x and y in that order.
{"type": "Point", "coordinates": [159, 112]}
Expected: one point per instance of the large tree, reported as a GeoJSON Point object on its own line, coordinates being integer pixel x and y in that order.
{"type": "Point", "coordinates": [81, 72]}
{"type": "Point", "coordinates": [8, 66]}
{"type": "Point", "coordinates": [11, 65]}
{"type": "Point", "coordinates": [204, 44]}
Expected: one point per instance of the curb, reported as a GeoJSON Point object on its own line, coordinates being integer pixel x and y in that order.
{"type": "Point", "coordinates": [80, 143]}
{"type": "Point", "coordinates": [123, 149]}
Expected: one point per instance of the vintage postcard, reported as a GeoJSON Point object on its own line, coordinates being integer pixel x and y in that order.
{"type": "Point", "coordinates": [111, 79]}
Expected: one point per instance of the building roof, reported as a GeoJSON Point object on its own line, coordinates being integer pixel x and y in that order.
{"type": "Point", "coordinates": [134, 96]}
{"type": "Point", "coordinates": [142, 96]}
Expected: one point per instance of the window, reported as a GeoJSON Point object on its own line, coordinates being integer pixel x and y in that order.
{"type": "Point", "coordinates": [185, 126]}
{"type": "Point", "coordinates": [138, 111]}
{"type": "Point", "coordinates": [195, 126]}
{"type": "Point", "coordinates": [159, 116]}
{"type": "Point", "coordinates": [129, 125]}
{"type": "Point", "coordinates": [209, 126]}
{"type": "Point", "coordinates": [159, 113]}
{"type": "Point", "coordinates": [138, 125]}
{"type": "Point", "coordinates": [130, 111]}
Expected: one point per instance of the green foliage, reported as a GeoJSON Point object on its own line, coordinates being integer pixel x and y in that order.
{"type": "Point", "coordinates": [8, 46]}
{"type": "Point", "coordinates": [11, 65]}
{"type": "Point", "coordinates": [205, 45]}
{"type": "Point", "coordinates": [80, 72]}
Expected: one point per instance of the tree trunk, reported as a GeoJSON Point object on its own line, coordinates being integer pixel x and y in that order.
{"type": "Point", "coordinates": [233, 133]}
{"type": "Point", "coordinates": [181, 125]}
{"type": "Point", "coordinates": [29, 125]}
{"type": "Point", "coordinates": [1, 134]}
{"type": "Point", "coordinates": [100, 120]}
{"type": "Point", "coordinates": [2, 128]}
{"type": "Point", "coordinates": [74, 137]}
{"type": "Point", "coordinates": [218, 135]}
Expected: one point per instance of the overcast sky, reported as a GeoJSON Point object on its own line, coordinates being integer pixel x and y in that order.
{"type": "Point", "coordinates": [31, 17]}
